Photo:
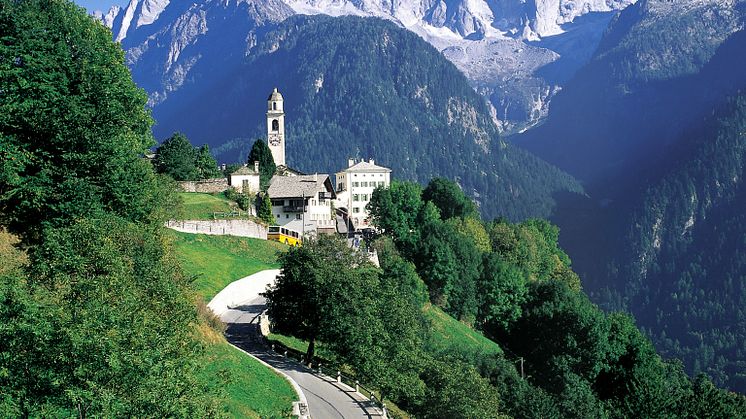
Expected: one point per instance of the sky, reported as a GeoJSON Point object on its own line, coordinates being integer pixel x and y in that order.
{"type": "Point", "coordinates": [102, 5]}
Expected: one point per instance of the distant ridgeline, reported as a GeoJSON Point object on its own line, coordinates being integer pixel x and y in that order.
{"type": "Point", "coordinates": [354, 87]}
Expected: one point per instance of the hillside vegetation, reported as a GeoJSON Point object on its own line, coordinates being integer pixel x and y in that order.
{"type": "Point", "coordinates": [556, 354]}
{"type": "Point", "coordinates": [251, 390]}
{"type": "Point", "coordinates": [98, 319]}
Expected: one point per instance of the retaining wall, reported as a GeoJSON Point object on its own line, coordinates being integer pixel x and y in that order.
{"type": "Point", "coordinates": [241, 228]}
{"type": "Point", "coordinates": [205, 186]}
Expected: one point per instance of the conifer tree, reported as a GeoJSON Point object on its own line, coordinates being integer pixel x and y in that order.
{"type": "Point", "coordinates": [260, 152]}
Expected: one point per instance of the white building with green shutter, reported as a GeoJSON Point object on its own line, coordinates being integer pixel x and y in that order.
{"type": "Point", "coordinates": [355, 185]}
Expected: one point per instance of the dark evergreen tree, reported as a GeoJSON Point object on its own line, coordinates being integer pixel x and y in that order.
{"type": "Point", "coordinates": [176, 158]}
{"type": "Point", "coordinates": [265, 210]}
{"type": "Point", "coordinates": [260, 153]}
{"type": "Point", "coordinates": [205, 163]}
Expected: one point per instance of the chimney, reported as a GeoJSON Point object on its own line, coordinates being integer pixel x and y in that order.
{"type": "Point", "coordinates": [350, 162]}
{"type": "Point", "coordinates": [316, 177]}
{"type": "Point", "coordinates": [256, 166]}
{"type": "Point", "coordinates": [372, 161]}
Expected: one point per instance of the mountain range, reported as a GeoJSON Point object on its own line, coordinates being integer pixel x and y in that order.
{"type": "Point", "coordinates": [516, 53]}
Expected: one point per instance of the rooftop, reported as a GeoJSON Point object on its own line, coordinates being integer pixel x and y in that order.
{"type": "Point", "coordinates": [365, 166]}
{"type": "Point", "coordinates": [299, 186]}
{"type": "Point", "coordinates": [275, 95]}
{"type": "Point", "coordinates": [245, 170]}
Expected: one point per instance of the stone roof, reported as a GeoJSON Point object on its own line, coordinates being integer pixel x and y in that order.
{"type": "Point", "coordinates": [245, 170]}
{"type": "Point", "coordinates": [299, 186]}
{"type": "Point", "coordinates": [365, 166]}
{"type": "Point", "coordinates": [275, 95]}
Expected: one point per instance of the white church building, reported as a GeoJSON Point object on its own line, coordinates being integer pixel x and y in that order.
{"type": "Point", "coordinates": [308, 203]}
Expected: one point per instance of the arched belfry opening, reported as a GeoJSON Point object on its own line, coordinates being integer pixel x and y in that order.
{"type": "Point", "coordinates": [274, 106]}
{"type": "Point", "coordinates": [275, 125]}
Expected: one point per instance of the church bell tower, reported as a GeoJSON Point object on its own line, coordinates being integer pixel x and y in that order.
{"type": "Point", "coordinates": [276, 127]}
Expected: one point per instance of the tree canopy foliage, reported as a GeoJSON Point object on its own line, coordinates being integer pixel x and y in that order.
{"type": "Point", "coordinates": [515, 284]}
{"type": "Point", "coordinates": [97, 319]}
{"type": "Point", "coordinates": [177, 158]}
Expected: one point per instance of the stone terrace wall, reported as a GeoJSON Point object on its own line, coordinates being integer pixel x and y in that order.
{"type": "Point", "coordinates": [205, 186]}
{"type": "Point", "coordinates": [241, 228]}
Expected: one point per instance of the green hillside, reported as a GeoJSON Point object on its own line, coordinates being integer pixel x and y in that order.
{"type": "Point", "coordinates": [450, 335]}
{"type": "Point", "coordinates": [216, 261]}
{"type": "Point", "coordinates": [201, 206]}
{"type": "Point", "coordinates": [253, 391]}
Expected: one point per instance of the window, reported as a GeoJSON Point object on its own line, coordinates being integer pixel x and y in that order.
{"type": "Point", "coordinates": [355, 184]}
{"type": "Point", "coordinates": [297, 216]}
{"type": "Point", "coordinates": [275, 125]}
{"type": "Point", "coordinates": [355, 197]}
{"type": "Point", "coordinates": [356, 210]}
{"type": "Point", "coordinates": [365, 197]}
{"type": "Point", "coordinates": [313, 202]}
{"type": "Point", "coordinates": [364, 184]}
{"type": "Point", "coordinates": [274, 106]}
{"type": "Point", "coordinates": [287, 215]}
{"type": "Point", "coordinates": [380, 183]}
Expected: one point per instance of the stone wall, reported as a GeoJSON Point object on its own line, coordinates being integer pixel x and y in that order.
{"type": "Point", "coordinates": [241, 228]}
{"type": "Point", "coordinates": [205, 186]}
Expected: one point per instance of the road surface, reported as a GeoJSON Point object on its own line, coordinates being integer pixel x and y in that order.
{"type": "Point", "coordinates": [239, 305]}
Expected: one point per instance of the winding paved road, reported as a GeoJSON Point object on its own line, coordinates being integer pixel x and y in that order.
{"type": "Point", "coordinates": [239, 305]}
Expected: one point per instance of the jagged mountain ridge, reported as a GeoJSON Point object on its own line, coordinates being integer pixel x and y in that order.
{"type": "Point", "coordinates": [499, 44]}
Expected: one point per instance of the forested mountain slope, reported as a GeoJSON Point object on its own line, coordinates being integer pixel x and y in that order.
{"type": "Point", "coordinates": [655, 130]}
{"type": "Point", "coordinates": [682, 269]}
{"type": "Point", "coordinates": [357, 87]}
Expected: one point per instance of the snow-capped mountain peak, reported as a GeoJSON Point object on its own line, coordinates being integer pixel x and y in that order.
{"type": "Point", "coordinates": [141, 12]}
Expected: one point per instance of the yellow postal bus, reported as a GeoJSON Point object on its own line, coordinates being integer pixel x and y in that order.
{"type": "Point", "coordinates": [284, 235]}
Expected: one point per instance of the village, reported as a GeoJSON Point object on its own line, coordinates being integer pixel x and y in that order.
{"type": "Point", "coordinates": [303, 205]}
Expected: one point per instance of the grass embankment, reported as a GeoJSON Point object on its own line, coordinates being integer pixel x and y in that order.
{"type": "Point", "coordinates": [449, 334]}
{"type": "Point", "coordinates": [252, 390]}
{"type": "Point", "coordinates": [216, 261]}
{"type": "Point", "coordinates": [201, 206]}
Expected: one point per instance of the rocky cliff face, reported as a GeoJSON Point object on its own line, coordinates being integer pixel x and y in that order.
{"type": "Point", "coordinates": [501, 45]}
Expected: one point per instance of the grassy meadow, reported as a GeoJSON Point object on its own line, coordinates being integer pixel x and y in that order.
{"type": "Point", "coordinates": [216, 261]}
